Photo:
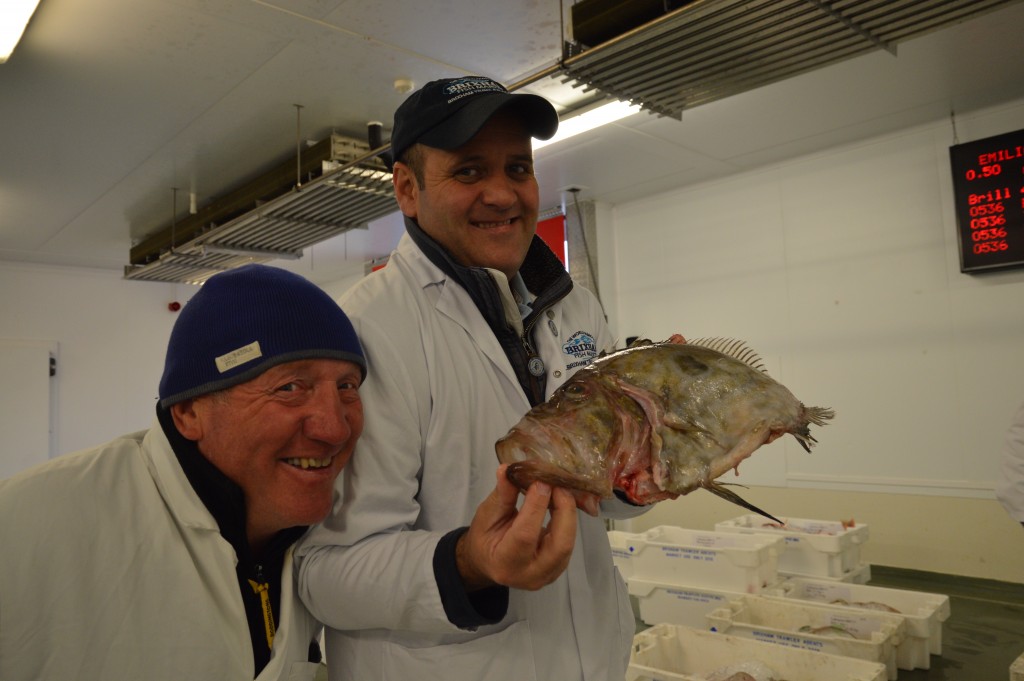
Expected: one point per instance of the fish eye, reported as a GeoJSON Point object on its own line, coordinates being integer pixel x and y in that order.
{"type": "Point", "coordinates": [576, 390]}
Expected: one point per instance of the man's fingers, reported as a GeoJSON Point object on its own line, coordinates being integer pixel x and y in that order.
{"type": "Point", "coordinates": [504, 491]}
{"type": "Point", "coordinates": [587, 502]}
{"type": "Point", "coordinates": [530, 521]}
{"type": "Point", "coordinates": [554, 543]}
{"type": "Point", "coordinates": [562, 527]}
{"type": "Point", "coordinates": [523, 548]}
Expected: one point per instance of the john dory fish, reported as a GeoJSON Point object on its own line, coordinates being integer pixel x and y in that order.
{"type": "Point", "coordinates": [655, 421]}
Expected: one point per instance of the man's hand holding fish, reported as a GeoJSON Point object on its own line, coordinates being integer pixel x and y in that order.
{"type": "Point", "coordinates": [514, 548]}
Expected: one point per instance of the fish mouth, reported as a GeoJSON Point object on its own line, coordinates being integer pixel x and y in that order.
{"type": "Point", "coordinates": [529, 460]}
{"type": "Point", "coordinates": [524, 473]}
{"type": "Point", "coordinates": [515, 447]}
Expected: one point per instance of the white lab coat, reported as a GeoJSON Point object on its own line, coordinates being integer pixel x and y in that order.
{"type": "Point", "coordinates": [1010, 486]}
{"type": "Point", "coordinates": [112, 568]}
{"type": "Point", "coordinates": [435, 402]}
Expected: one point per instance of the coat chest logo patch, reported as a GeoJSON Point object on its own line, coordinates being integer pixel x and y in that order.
{"type": "Point", "coordinates": [580, 349]}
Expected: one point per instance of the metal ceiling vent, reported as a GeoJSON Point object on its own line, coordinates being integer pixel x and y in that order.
{"type": "Point", "coordinates": [707, 50]}
{"type": "Point", "coordinates": [665, 55]}
{"type": "Point", "coordinates": [275, 216]}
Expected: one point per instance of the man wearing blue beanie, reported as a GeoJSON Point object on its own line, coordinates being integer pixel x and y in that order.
{"type": "Point", "coordinates": [166, 554]}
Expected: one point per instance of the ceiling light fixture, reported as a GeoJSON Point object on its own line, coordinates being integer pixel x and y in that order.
{"type": "Point", "coordinates": [588, 120]}
{"type": "Point", "coordinates": [14, 16]}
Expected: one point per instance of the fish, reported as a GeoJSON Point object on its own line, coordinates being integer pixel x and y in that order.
{"type": "Point", "coordinates": [752, 670]}
{"type": "Point", "coordinates": [655, 421]}
{"type": "Point", "coordinates": [813, 527]}
{"type": "Point", "coordinates": [827, 630]}
{"type": "Point", "coordinates": [738, 676]}
{"type": "Point", "coordinates": [867, 605]}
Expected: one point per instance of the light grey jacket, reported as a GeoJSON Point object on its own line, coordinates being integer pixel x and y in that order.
{"type": "Point", "coordinates": [439, 393]}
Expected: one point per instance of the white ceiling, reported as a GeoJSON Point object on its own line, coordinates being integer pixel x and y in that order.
{"type": "Point", "coordinates": [108, 106]}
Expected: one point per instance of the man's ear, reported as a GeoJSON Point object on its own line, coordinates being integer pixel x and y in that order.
{"type": "Point", "coordinates": [187, 420]}
{"type": "Point", "coordinates": [406, 189]}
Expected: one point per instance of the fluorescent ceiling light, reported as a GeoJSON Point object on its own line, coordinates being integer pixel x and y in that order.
{"type": "Point", "coordinates": [595, 118]}
{"type": "Point", "coordinates": [14, 16]}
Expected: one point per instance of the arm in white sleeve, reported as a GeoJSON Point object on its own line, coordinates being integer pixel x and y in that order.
{"type": "Point", "coordinates": [1010, 485]}
{"type": "Point", "coordinates": [367, 566]}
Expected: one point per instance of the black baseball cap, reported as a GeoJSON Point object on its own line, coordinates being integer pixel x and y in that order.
{"type": "Point", "coordinates": [447, 113]}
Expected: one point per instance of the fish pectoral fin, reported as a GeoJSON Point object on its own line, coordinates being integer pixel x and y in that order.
{"type": "Point", "coordinates": [677, 422]}
{"type": "Point", "coordinates": [722, 491]}
{"type": "Point", "coordinates": [688, 428]}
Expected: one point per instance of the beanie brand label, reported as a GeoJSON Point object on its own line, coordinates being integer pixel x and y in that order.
{"type": "Point", "coordinates": [244, 354]}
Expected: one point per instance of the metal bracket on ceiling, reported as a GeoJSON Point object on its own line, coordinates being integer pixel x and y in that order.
{"type": "Point", "coordinates": [205, 249]}
{"type": "Point", "coordinates": [854, 26]}
{"type": "Point", "coordinates": [298, 146]}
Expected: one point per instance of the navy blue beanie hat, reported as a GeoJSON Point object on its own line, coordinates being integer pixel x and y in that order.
{"type": "Point", "coordinates": [247, 320]}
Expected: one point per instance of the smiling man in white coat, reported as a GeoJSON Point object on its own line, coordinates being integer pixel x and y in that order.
{"type": "Point", "coordinates": [472, 321]}
{"type": "Point", "coordinates": [166, 554]}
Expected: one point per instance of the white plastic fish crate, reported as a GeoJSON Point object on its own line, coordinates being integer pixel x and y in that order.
{"type": "Point", "coordinates": [712, 560]}
{"type": "Point", "coordinates": [1017, 669]}
{"type": "Point", "coordinates": [779, 621]}
{"type": "Point", "coordinates": [675, 604]}
{"type": "Point", "coordinates": [859, 575]}
{"type": "Point", "coordinates": [923, 612]}
{"type": "Point", "coordinates": [672, 652]}
{"type": "Point", "coordinates": [814, 548]}
{"type": "Point", "coordinates": [621, 555]}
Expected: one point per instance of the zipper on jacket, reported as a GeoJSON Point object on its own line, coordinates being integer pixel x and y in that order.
{"type": "Point", "coordinates": [263, 590]}
{"type": "Point", "coordinates": [534, 365]}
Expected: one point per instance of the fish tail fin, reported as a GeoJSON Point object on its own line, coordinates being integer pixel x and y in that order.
{"type": "Point", "coordinates": [818, 415]}
{"type": "Point", "coordinates": [722, 491]}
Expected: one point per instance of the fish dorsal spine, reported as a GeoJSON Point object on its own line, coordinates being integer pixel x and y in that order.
{"type": "Point", "coordinates": [736, 349]}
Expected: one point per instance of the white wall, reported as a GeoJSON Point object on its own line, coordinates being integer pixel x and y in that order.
{"type": "Point", "coordinates": [111, 336]}
{"type": "Point", "coordinates": [842, 270]}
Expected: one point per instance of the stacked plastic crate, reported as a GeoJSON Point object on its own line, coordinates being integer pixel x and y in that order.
{"type": "Point", "coordinates": [680, 576]}
{"type": "Point", "coordinates": [674, 652]}
{"type": "Point", "coordinates": [817, 627]}
{"type": "Point", "coordinates": [822, 563]}
{"type": "Point", "coordinates": [820, 549]}
{"type": "Point", "coordinates": [801, 585]}
{"type": "Point", "coordinates": [924, 613]}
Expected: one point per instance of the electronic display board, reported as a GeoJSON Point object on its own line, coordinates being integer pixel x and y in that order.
{"type": "Point", "coordinates": [988, 190]}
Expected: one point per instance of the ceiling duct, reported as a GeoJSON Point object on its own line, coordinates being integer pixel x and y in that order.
{"type": "Point", "coordinates": [688, 55]}
{"type": "Point", "coordinates": [597, 21]}
{"type": "Point", "coordinates": [707, 50]}
{"type": "Point", "coordinates": [344, 186]}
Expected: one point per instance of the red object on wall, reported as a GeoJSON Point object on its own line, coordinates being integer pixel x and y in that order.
{"type": "Point", "coordinates": [552, 231]}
